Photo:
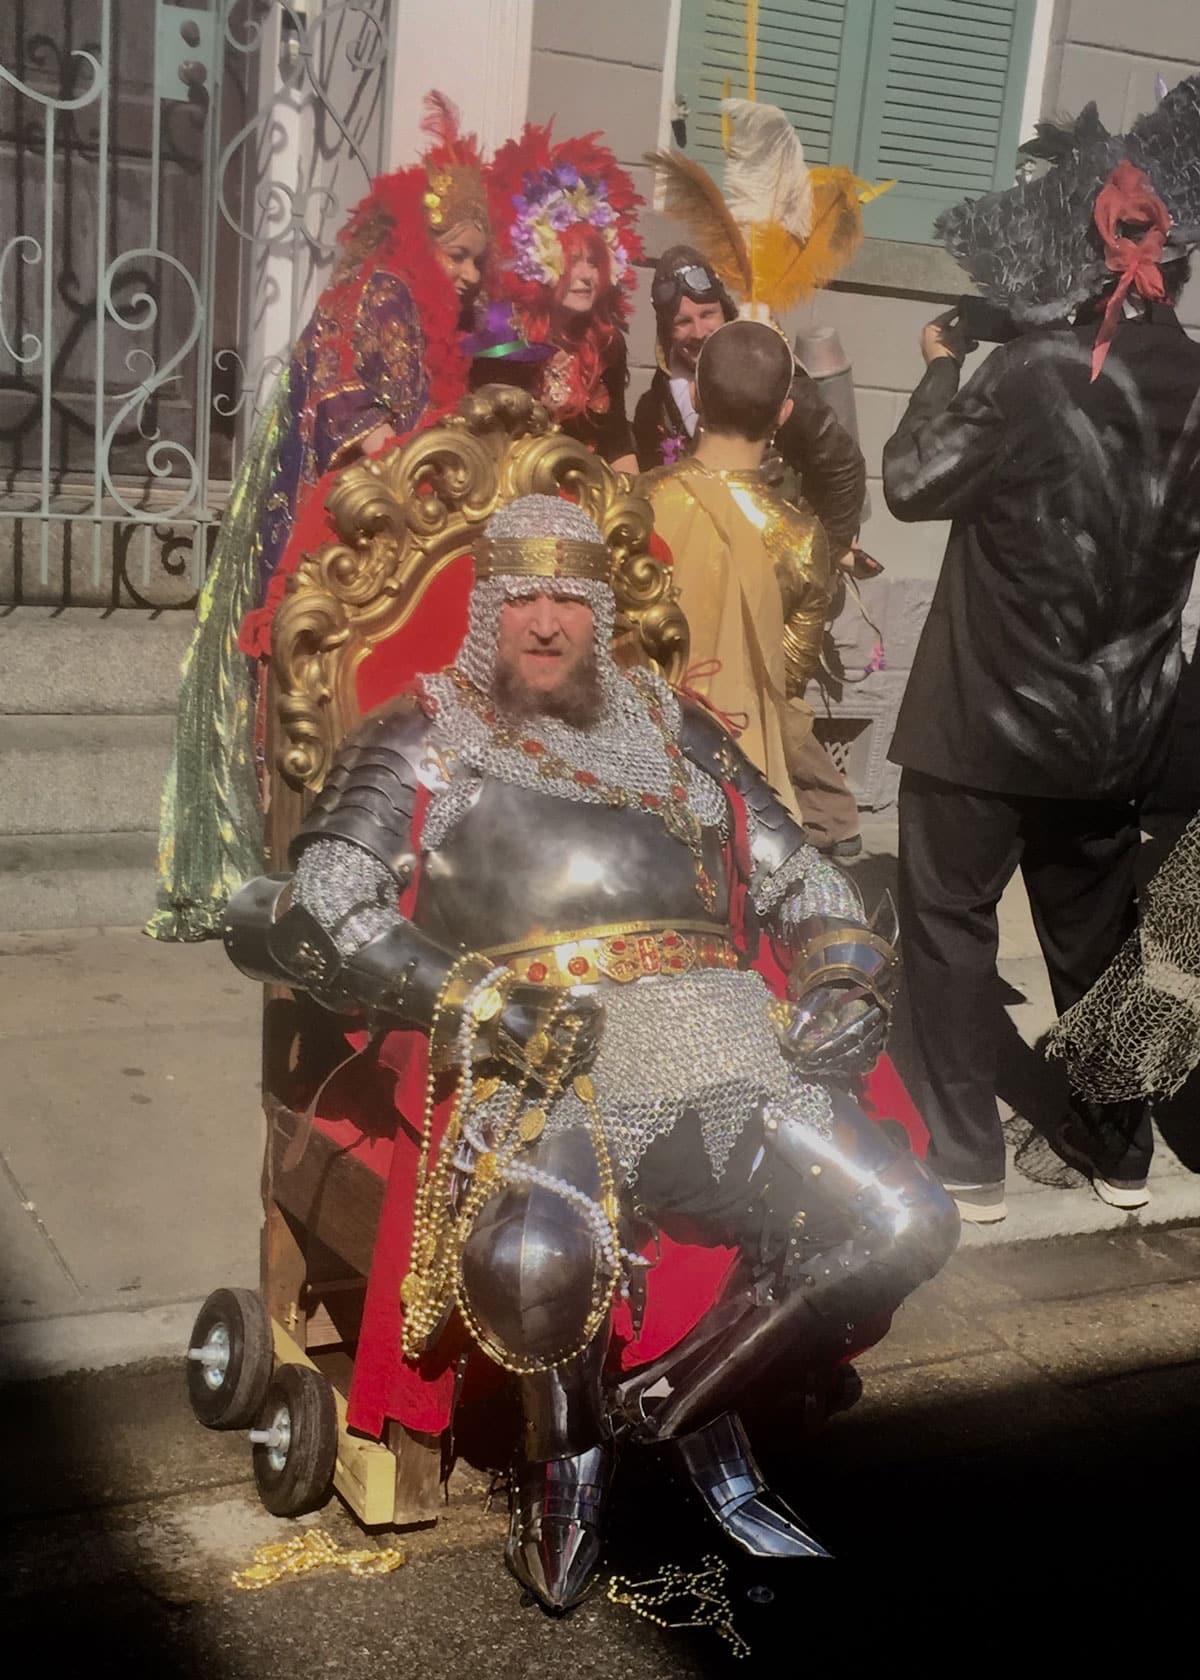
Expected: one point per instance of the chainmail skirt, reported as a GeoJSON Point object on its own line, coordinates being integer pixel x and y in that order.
{"type": "Point", "coordinates": [703, 1042]}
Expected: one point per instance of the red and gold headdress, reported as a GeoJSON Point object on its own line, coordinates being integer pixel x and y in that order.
{"type": "Point", "coordinates": [454, 169]}
{"type": "Point", "coordinates": [448, 182]}
{"type": "Point", "coordinates": [538, 188]}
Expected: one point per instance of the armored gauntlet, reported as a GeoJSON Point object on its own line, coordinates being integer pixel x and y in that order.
{"type": "Point", "coordinates": [843, 986]}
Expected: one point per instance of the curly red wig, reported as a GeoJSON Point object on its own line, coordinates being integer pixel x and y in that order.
{"type": "Point", "coordinates": [592, 340]}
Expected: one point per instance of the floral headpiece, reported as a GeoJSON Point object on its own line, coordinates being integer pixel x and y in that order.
{"type": "Point", "coordinates": [552, 186]}
{"type": "Point", "coordinates": [552, 201]}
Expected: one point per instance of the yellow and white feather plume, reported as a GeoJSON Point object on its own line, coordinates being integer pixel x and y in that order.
{"type": "Point", "coordinates": [780, 230]}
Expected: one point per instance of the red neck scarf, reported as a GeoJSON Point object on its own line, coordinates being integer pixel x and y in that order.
{"type": "Point", "coordinates": [1127, 196]}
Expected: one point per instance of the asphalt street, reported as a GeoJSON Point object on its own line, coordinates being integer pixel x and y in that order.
{"type": "Point", "coordinates": [1033, 1403]}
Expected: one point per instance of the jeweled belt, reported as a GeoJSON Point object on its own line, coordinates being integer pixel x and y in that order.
{"type": "Point", "coordinates": [620, 951]}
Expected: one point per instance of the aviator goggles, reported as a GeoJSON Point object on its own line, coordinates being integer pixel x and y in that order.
{"type": "Point", "coordinates": [697, 282]}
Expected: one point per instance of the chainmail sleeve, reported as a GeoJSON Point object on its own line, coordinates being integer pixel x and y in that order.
{"type": "Point", "coordinates": [804, 885]}
{"type": "Point", "coordinates": [348, 891]}
{"type": "Point", "coordinates": [790, 880]}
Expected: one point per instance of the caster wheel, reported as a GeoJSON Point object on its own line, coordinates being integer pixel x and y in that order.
{"type": "Point", "coordinates": [230, 1356]}
{"type": "Point", "coordinates": [295, 1442]}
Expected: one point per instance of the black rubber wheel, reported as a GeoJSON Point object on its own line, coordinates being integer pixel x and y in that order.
{"type": "Point", "coordinates": [294, 1471]}
{"type": "Point", "coordinates": [233, 1332]}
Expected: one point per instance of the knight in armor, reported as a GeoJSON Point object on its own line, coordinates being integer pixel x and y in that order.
{"type": "Point", "coordinates": [558, 870]}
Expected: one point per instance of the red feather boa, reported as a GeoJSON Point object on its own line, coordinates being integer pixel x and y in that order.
{"type": "Point", "coordinates": [407, 250]}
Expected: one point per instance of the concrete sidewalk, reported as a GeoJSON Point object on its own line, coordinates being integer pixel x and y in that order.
{"type": "Point", "coordinates": [131, 1135]}
{"type": "Point", "coordinates": [130, 1143]}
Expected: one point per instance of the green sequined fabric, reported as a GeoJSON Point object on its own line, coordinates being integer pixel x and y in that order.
{"type": "Point", "coordinates": [211, 822]}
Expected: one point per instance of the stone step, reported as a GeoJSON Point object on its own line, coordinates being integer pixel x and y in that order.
{"type": "Point", "coordinates": [76, 880]}
{"type": "Point", "coordinates": [82, 775]}
{"type": "Point", "coordinates": [82, 661]}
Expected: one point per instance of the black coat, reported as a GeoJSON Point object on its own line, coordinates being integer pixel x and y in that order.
{"type": "Point", "coordinates": [1049, 661]}
{"type": "Point", "coordinates": [812, 443]}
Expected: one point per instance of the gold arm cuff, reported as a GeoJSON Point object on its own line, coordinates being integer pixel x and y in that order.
{"type": "Point", "coordinates": [837, 954]}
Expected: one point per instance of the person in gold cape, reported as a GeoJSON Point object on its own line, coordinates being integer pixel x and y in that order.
{"type": "Point", "coordinates": [753, 570]}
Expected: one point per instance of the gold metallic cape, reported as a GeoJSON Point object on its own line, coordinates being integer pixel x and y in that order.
{"type": "Point", "coordinates": [753, 578]}
{"type": "Point", "coordinates": [210, 836]}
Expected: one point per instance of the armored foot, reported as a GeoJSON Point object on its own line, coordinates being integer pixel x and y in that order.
{"type": "Point", "coordinates": [721, 1467]}
{"type": "Point", "coordinates": [555, 1529]}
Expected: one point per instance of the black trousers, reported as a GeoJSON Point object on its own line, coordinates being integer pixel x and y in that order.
{"type": "Point", "coordinates": [959, 848]}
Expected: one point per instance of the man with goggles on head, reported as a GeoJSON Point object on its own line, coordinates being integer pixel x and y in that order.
{"type": "Point", "coordinates": [690, 303]}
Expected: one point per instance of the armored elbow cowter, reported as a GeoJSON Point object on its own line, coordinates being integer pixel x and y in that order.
{"type": "Point", "coordinates": [333, 928]}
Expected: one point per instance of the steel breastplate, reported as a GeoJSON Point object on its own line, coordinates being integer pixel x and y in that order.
{"type": "Point", "coordinates": [522, 863]}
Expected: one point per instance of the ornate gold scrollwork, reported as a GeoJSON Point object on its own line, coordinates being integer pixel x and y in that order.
{"type": "Point", "coordinates": [406, 516]}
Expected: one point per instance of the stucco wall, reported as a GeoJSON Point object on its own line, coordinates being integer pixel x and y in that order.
{"type": "Point", "coordinates": [602, 67]}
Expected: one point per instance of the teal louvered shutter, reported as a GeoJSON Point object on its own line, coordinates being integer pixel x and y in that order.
{"type": "Point", "coordinates": [928, 92]}
{"type": "Point", "coordinates": [941, 111]}
{"type": "Point", "coordinates": [811, 61]}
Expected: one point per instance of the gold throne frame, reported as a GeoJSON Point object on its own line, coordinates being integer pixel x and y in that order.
{"type": "Point", "coordinates": [400, 521]}
{"type": "Point", "coordinates": [403, 519]}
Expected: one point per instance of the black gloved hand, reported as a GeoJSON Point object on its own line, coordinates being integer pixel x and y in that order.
{"type": "Point", "coordinates": [532, 1034]}
{"type": "Point", "coordinates": [836, 1032]}
{"type": "Point", "coordinates": [952, 334]}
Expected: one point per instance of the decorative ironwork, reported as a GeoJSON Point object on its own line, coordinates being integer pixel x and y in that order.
{"type": "Point", "coordinates": [404, 518]}
{"type": "Point", "coordinates": [231, 138]}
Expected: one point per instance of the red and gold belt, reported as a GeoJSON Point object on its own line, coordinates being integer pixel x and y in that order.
{"type": "Point", "coordinates": [620, 951]}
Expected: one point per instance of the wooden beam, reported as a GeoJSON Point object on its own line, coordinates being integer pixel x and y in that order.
{"type": "Point", "coordinates": [334, 1197]}
{"type": "Point", "coordinates": [418, 1492]}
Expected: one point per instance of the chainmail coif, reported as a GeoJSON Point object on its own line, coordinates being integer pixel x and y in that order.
{"type": "Point", "coordinates": [624, 747]}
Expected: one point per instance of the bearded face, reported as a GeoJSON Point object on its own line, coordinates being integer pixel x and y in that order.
{"type": "Point", "coordinates": [545, 660]}
{"type": "Point", "coordinates": [693, 324]}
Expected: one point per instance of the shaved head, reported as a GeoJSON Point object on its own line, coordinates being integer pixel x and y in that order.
{"type": "Point", "coordinates": [743, 378]}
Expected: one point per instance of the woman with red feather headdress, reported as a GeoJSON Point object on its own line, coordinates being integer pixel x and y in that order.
{"type": "Point", "coordinates": [382, 354]}
{"type": "Point", "coordinates": [383, 351]}
{"type": "Point", "coordinates": [564, 214]}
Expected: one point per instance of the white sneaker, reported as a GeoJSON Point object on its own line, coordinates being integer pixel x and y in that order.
{"type": "Point", "coordinates": [1125, 1193]}
{"type": "Point", "coordinates": [979, 1204]}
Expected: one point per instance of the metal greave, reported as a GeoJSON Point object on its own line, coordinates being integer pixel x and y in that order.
{"type": "Point", "coordinates": [563, 1410]}
{"type": "Point", "coordinates": [902, 1227]}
